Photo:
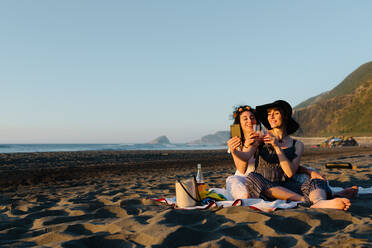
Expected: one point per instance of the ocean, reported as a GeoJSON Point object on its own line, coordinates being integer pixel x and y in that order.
{"type": "Point", "coordinates": [17, 148]}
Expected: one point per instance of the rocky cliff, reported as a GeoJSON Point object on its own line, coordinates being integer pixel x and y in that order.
{"type": "Point", "coordinates": [160, 140]}
{"type": "Point", "coordinates": [218, 138]}
{"type": "Point", "coordinates": [344, 110]}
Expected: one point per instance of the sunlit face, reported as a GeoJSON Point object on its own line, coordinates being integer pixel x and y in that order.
{"type": "Point", "coordinates": [247, 120]}
{"type": "Point", "coordinates": [275, 118]}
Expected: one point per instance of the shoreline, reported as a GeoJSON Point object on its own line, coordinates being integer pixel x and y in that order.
{"type": "Point", "coordinates": [44, 167]}
{"type": "Point", "coordinates": [363, 141]}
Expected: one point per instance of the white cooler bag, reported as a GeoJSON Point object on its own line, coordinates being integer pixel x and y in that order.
{"type": "Point", "coordinates": [187, 194]}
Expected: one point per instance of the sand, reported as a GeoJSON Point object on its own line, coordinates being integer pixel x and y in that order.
{"type": "Point", "coordinates": [101, 199]}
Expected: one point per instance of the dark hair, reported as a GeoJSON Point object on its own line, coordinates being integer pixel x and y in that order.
{"type": "Point", "coordinates": [240, 110]}
{"type": "Point", "coordinates": [285, 109]}
{"type": "Point", "coordinates": [284, 114]}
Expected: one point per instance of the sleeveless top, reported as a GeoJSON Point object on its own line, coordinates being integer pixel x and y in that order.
{"type": "Point", "coordinates": [268, 164]}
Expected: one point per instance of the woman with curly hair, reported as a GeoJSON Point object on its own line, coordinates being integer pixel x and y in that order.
{"type": "Point", "coordinates": [236, 185]}
{"type": "Point", "coordinates": [277, 160]}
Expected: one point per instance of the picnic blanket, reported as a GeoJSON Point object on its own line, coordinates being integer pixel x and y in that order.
{"type": "Point", "coordinates": [254, 203]}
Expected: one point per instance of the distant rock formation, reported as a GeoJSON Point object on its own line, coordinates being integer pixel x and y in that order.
{"type": "Point", "coordinates": [162, 140]}
{"type": "Point", "coordinates": [219, 138]}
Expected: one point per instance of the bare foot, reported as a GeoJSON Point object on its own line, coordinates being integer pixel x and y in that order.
{"type": "Point", "coordinates": [336, 203]}
{"type": "Point", "coordinates": [348, 193]}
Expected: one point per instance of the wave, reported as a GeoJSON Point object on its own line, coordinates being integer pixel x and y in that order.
{"type": "Point", "coordinates": [5, 146]}
{"type": "Point", "coordinates": [17, 148]}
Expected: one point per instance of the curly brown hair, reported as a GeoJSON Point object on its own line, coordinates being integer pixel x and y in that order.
{"type": "Point", "coordinates": [241, 109]}
{"type": "Point", "coordinates": [236, 116]}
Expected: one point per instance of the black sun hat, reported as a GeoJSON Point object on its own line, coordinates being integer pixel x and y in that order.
{"type": "Point", "coordinates": [291, 124]}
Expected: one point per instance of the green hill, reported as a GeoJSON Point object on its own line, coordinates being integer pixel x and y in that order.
{"type": "Point", "coordinates": [353, 81]}
{"type": "Point", "coordinates": [345, 110]}
{"type": "Point", "coordinates": [311, 100]}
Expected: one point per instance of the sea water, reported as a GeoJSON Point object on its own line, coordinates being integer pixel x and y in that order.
{"type": "Point", "coordinates": [16, 148]}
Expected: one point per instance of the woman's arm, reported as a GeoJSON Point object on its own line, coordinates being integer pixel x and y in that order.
{"type": "Point", "coordinates": [289, 168]}
{"type": "Point", "coordinates": [241, 158]}
{"type": "Point", "coordinates": [303, 170]}
{"type": "Point", "coordinates": [313, 174]}
{"type": "Point", "coordinates": [296, 161]}
{"type": "Point", "coordinates": [240, 165]}
{"type": "Point", "coordinates": [247, 153]}
{"type": "Point", "coordinates": [233, 144]}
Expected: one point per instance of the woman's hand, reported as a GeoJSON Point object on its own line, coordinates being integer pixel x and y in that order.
{"type": "Point", "coordinates": [269, 138]}
{"type": "Point", "coordinates": [316, 175]}
{"type": "Point", "coordinates": [248, 130]}
{"type": "Point", "coordinates": [252, 140]}
{"type": "Point", "coordinates": [234, 143]}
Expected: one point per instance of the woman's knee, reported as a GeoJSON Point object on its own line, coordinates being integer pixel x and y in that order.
{"type": "Point", "coordinates": [321, 185]}
{"type": "Point", "coordinates": [236, 186]}
{"type": "Point", "coordinates": [240, 195]}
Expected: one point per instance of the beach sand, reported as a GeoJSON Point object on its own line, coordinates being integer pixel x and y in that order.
{"type": "Point", "coordinates": [101, 199]}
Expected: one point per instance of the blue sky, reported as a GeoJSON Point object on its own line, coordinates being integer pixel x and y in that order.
{"type": "Point", "coordinates": [129, 71]}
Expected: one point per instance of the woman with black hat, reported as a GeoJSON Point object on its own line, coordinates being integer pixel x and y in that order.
{"type": "Point", "coordinates": [236, 184]}
{"type": "Point", "coordinates": [278, 159]}
{"type": "Point", "coordinates": [245, 117]}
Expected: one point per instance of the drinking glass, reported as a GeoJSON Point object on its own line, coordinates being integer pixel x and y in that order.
{"type": "Point", "coordinates": [257, 129]}
{"type": "Point", "coordinates": [263, 131]}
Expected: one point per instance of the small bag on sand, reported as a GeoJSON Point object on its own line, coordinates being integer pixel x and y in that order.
{"type": "Point", "coordinates": [340, 165]}
{"type": "Point", "coordinates": [187, 194]}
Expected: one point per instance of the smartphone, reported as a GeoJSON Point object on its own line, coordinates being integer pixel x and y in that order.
{"type": "Point", "coordinates": [235, 130]}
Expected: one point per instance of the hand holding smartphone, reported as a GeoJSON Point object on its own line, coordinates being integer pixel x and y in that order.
{"type": "Point", "coordinates": [236, 137]}
{"type": "Point", "coordinates": [235, 131]}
